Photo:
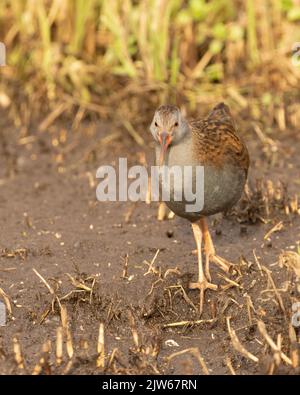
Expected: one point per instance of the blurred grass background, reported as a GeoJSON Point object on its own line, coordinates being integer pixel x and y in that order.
{"type": "Point", "coordinates": [110, 58]}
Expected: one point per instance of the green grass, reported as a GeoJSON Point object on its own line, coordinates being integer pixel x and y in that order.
{"type": "Point", "coordinates": [70, 45]}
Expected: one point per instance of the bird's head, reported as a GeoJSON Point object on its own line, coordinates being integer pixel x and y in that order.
{"type": "Point", "coordinates": [168, 127]}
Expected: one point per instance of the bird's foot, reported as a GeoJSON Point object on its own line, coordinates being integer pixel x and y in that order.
{"type": "Point", "coordinates": [222, 263]}
{"type": "Point", "coordinates": [210, 252]}
{"type": "Point", "coordinates": [211, 256]}
{"type": "Point", "coordinates": [202, 286]}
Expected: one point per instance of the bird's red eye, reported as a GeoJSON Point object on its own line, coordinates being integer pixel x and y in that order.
{"type": "Point", "coordinates": [156, 124]}
{"type": "Point", "coordinates": [176, 124]}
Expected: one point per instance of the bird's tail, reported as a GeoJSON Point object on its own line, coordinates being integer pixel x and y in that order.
{"type": "Point", "coordinates": [221, 112]}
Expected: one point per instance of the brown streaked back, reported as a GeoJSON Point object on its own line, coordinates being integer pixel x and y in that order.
{"type": "Point", "coordinates": [216, 142]}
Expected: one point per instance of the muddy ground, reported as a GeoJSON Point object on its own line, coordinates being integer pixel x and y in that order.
{"type": "Point", "coordinates": [52, 222]}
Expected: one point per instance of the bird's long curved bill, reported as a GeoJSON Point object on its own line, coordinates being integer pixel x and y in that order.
{"type": "Point", "coordinates": [165, 141]}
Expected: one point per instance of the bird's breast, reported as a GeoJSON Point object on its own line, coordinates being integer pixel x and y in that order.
{"type": "Point", "coordinates": [220, 187]}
